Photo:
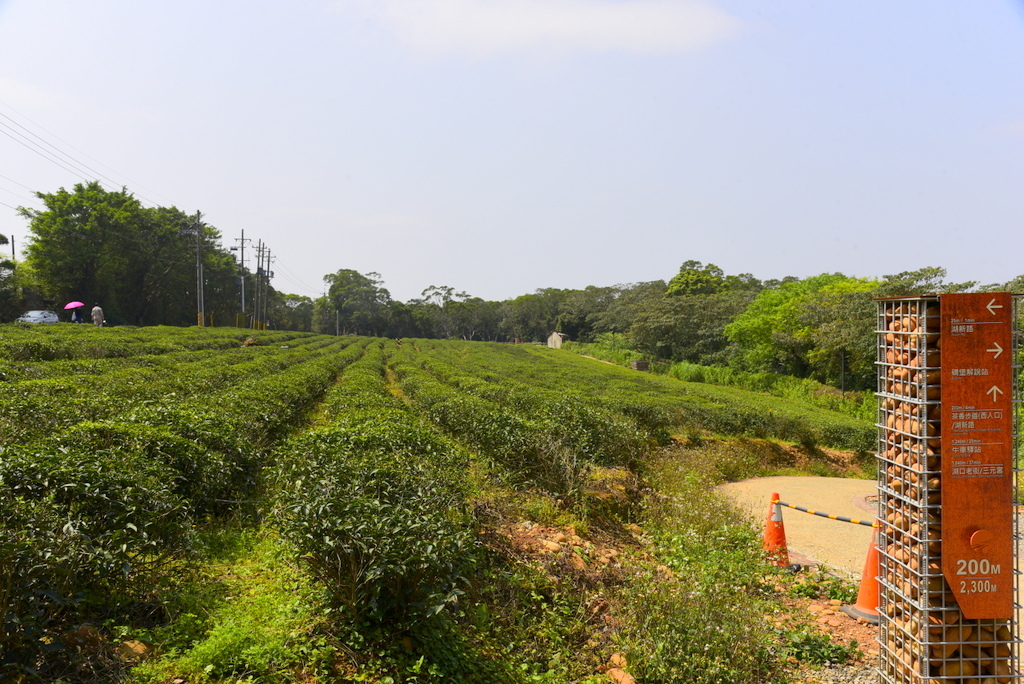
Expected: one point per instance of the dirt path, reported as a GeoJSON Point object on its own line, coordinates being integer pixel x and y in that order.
{"type": "Point", "coordinates": [812, 539]}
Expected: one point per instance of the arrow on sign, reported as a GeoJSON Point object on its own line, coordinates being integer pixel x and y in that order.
{"type": "Point", "coordinates": [997, 351]}
{"type": "Point", "coordinates": [992, 306]}
{"type": "Point", "coordinates": [995, 392]}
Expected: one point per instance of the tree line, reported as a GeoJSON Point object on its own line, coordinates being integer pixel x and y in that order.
{"type": "Point", "coordinates": [821, 327]}
{"type": "Point", "coordinates": [91, 244]}
{"type": "Point", "coordinates": [140, 263]}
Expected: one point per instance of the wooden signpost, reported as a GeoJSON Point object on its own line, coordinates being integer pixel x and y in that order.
{"type": "Point", "coordinates": [977, 445]}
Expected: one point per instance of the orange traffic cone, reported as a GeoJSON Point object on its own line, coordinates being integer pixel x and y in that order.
{"type": "Point", "coordinates": [868, 596]}
{"type": "Point", "coordinates": [775, 534]}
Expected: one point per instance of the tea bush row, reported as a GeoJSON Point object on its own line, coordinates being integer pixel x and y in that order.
{"type": "Point", "coordinates": [67, 341]}
{"type": "Point", "coordinates": [857, 404]}
{"type": "Point", "coordinates": [551, 448]}
{"type": "Point", "coordinates": [374, 503]}
{"type": "Point", "coordinates": [603, 432]}
{"type": "Point", "coordinates": [13, 370]}
{"type": "Point", "coordinates": [699, 407]}
{"type": "Point", "coordinates": [33, 409]}
{"type": "Point", "coordinates": [92, 510]}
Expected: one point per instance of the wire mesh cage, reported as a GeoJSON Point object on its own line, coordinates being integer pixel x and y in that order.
{"type": "Point", "coordinates": [924, 636]}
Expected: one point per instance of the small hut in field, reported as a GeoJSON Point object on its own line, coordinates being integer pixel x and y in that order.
{"type": "Point", "coordinates": [555, 340]}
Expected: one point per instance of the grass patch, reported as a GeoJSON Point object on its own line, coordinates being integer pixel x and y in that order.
{"type": "Point", "coordinates": [698, 617]}
{"type": "Point", "coordinates": [822, 584]}
{"type": "Point", "coordinates": [249, 616]}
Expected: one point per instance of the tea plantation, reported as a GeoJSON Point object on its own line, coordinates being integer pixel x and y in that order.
{"type": "Point", "coordinates": [224, 505]}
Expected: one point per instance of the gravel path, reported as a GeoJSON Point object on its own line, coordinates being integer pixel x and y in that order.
{"type": "Point", "coordinates": [815, 540]}
{"type": "Point", "coordinates": [812, 539]}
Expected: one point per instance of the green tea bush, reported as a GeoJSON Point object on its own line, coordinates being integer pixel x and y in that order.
{"type": "Point", "coordinates": [103, 475]}
{"type": "Point", "coordinates": [206, 471]}
{"type": "Point", "coordinates": [82, 531]}
{"type": "Point", "coordinates": [542, 438]}
{"type": "Point", "coordinates": [122, 503]}
{"type": "Point", "coordinates": [37, 582]}
{"type": "Point", "coordinates": [374, 511]}
{"type": "Point", "coordinates": [710, 408]}
{"type": "Point", "coordinates": [361, 387]}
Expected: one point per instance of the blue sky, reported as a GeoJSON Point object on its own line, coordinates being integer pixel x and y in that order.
{"type": "Point", "coordinates": [500, 146]}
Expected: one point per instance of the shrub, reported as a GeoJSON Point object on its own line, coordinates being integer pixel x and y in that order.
{"type": "Point", "coordinates": [208, 472]}
{"type": "Point", "coordinates": [374, 512]}
{"type": "Point", "coordinates": [82, 531]}
{"type": "Point", "coordinates": [698, 619]}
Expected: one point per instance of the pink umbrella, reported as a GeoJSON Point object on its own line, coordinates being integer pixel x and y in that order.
{"type": "Point", "coordinates": [73, 305]}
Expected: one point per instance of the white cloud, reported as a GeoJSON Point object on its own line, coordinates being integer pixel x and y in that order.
{"type": "Point", "coordinates": [488, 26]}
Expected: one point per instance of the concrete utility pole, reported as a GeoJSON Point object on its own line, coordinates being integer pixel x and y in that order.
{"type": "Point", "coordinates": [259, 276]}
{"type": "Point", "coordinates": [262, 294]}
{"type": "Point", "coordinates": [266, 286]}
{"type": "Point", "coordinates": [241, 262]}
{"type": "Point", "coordinates": [199, 270]}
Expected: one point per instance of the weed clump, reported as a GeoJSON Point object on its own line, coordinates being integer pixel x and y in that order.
{"type": "Point", "coordinates": [697, 617]}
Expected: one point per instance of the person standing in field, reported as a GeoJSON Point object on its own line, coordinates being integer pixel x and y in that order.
{"type": "Point", "coordinates": [97, 316]}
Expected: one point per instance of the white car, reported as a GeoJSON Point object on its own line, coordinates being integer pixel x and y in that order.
{"type": "Point", "coordinates": [38, 317]}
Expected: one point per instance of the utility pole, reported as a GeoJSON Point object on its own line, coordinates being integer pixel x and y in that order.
{"type": "Point", "coordinates": [199, 271]}
{"type": "Point", "coordinates": [262, 294]}
{"type": "Point", "coordinates": [241, 271]}
{"type": "Point", "coordinates": [266, 287]}
{"type": "Point", "coordinates": [259, 276]}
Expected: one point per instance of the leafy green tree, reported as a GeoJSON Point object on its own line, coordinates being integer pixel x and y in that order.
{"type": "Point", "coordinates": [694, 278]}
{"type": "Point", "coordinates": [581, 310]}
{"type": "Point", "coordinates": [361, 304]}
{"type": "Point", "coordinates": [689, 327]}
{"type": "Point", "coordinates": [139, 263]}
{"type": "Point", "coordinates": [523, 318]}
{"type": "Point", "coordinates": [1016, 286]}
{"type": "Point", "coordinates": [10, 304]}
{"type": "Point", "coordinates": [476, 319]}
{"type": "Point", "coordinates": [441, 303]}
{"type": "Point", "coordinates": [688, 322]}
{"type": "Point", "coordinates": [70, 246]}
{"type": "Point", "coordinates": [626, 305]}
{"type": "Point", "coordinates": [532, 317]}
{"type": "Point", "coordinates": [402, 321]}
{"type": "Point", "coordinates": [773, 333]}
{"type": "Point", "coordinates": [324, 317]}
{"type": "Point", "coordinates": [842, 320]}
{"type": "Point", "coordinates": [923, 281]}
{"type": "Point", "coordinates": [291, 312]}
{"type": "Point", "coordinates": [221, 286]}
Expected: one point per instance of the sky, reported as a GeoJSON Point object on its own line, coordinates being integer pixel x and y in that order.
{"type": "Point", "coordinates": [502, 146]}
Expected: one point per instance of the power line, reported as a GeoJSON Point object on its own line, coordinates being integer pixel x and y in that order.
{"type": "Point", "coordinates": [292, 278]}
{"type": "Point", "coordinates": [18, 194]}
{"type": "Point", "coordinates": [39, 150]}
{"type": "Point", "coordinates": [55, 155]}
{"type": "Point", "coordinates": [17, 183]}
{"type": "Point", "coordinates": [51, 145]}
{"type": "Point", "coordinates": [42, 153]}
